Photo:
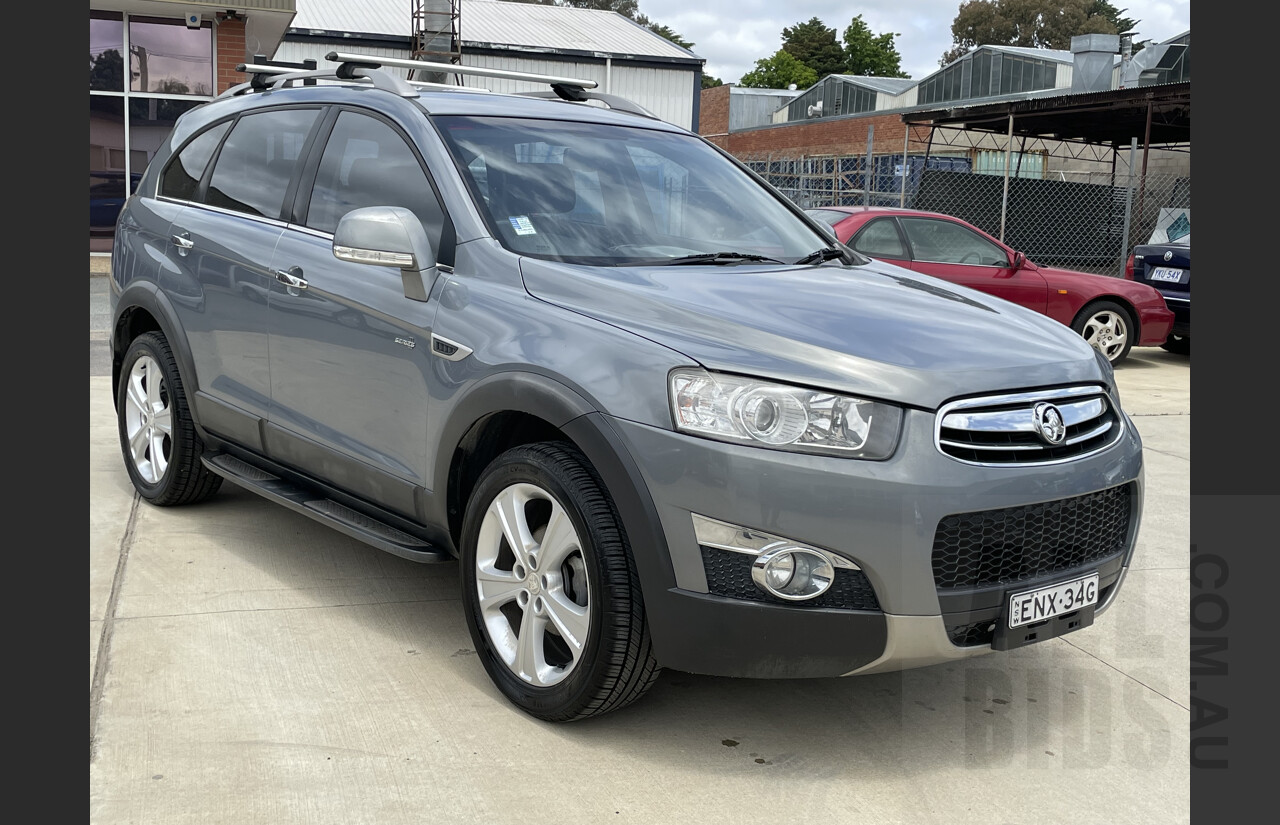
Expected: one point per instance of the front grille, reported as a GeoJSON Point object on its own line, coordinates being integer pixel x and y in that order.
{"type": "Point", "coordinates": [729, 575]}
{"type": "Point", "coordinates": [994, 547]}
{"type": "Point", "coordinates": [1002, 430]}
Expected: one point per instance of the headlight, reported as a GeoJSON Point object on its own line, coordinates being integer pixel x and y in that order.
{"type": "Point", "coordinates": [782, 417]}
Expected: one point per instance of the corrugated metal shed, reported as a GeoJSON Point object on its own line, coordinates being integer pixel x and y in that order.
{"type": "Point", "coordinates": [622, 56]}
{"type": "Point", "coordinates": [491, 23]}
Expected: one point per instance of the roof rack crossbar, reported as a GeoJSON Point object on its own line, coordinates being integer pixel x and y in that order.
{"type": "Point", "coordinates": [375, 61]}
{"type": "Point", "coordinates": [276, 77]}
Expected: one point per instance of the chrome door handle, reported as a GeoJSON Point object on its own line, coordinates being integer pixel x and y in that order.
{"type": "Point", "coordinates": [184, 243]}
{"type": "Point", "coordinates": [291, 278]}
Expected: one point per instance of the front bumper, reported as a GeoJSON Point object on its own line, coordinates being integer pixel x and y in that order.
{"type": "Point", "coordinates": [883, 516]}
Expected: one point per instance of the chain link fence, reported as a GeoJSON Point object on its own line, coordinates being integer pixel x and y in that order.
{"type": "Point", "coordinates": [1086, 219]}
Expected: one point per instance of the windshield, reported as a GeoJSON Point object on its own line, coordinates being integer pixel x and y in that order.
{"type": "Point", "coordinates": [617, 195]}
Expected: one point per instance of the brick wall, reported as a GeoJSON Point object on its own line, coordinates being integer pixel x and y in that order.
{"type": "Point", "coordinates": [713, 112]}
{"type": "Point", "coordinates": [231, 53]}
{"type": "Point", "coordinates": [836, 136]}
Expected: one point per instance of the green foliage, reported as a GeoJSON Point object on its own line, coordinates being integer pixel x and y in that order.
{"type": "Point", "coordinates": [778, 72]}
{"type": "Point", "coordinates": [870, 55]}
{"type": "Point", "coordinates": [1040, 24]}
{"type": "Point", "coordinates": [709, 82]}
{"type": "Point", "coordinates": [814, 44]}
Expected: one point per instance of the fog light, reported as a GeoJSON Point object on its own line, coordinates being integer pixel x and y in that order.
{"type": "Point", "coordinates": [792, 573]}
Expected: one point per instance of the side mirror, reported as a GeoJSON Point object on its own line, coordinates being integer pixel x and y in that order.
{"type": "Point", "coordinates": [1018, 260]}
{"type": "Point", "coordinates": [388, 236]}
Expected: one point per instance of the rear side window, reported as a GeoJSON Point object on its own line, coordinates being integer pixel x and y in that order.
{"type": "Point", "coordinates": [367, 163]}
{"type": "Point", "coordinates": [182, 176]}
{"type": "Point", "coordinates": [257, 161]}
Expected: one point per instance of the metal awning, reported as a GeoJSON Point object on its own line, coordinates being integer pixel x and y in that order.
{"type": "Point", "coordinates": [1109, 118]}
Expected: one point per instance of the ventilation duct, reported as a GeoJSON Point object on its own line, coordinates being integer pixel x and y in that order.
{"type": "Point", "coordinates": [1093, 60]}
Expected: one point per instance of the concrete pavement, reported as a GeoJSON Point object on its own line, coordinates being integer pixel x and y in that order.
{"type": "Point", "coordinates": [248, 665]}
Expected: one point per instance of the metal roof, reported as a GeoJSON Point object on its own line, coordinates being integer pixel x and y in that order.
{"type": "Point", "coordinates": [888, 85]}
{"type": "Point", "coordinates": [492, 23]}
{"type": "Point", "coordinates": [1108, 118]}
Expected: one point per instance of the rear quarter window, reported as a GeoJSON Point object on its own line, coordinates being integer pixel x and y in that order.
{"type": "Point", "coordinates": [182, 176]}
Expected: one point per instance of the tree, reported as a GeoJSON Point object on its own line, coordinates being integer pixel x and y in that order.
{"type": "Point", "coordinates": [1104, 9]}
{"type": "Point", "coordinates": [870, 55]}
{"type": "Point", "coordinates": [779, 72]}
{"type": "Point", "coordinates": [1040, 24]}
{"type": "Point", "coordinates": [663, 31]}
{"type": "Point", "coordinates": [814, 44]}
{"type": "Point", "coordinates": [709, 82]}
{"type": "Point", "coordinates": [106, 71]}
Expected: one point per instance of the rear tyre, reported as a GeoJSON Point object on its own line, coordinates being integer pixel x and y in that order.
{"type": "Point", "coordinates": [1178, 344]}
{"type": "Point", "coordinates": [161, 448]}
{"type": "Point", "coordinates": [1108, 327]}
{"type": "Point", "coordinates": [549, 587]}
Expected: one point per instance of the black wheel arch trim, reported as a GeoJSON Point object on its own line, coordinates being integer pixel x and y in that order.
{"type": "Point", "coordinates": [590, 430]}
{"type": "Point", "coordinates": [146, 295]}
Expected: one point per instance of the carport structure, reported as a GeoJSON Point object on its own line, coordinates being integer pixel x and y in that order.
{"type": "Point", "coordinates": [1090, 127]}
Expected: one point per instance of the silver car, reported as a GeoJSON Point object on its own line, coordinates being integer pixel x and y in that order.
{"type": "Point", "coordinates": [657, 415]}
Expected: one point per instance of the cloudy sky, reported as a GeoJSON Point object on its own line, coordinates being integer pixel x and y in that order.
{"type": "Point", "coordinates": [733, 34]}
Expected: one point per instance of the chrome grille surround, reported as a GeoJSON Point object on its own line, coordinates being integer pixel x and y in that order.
{"type": "Point", "coordinates": [1000, 430]}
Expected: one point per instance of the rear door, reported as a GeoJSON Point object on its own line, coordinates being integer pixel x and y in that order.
{"type": "Point", "coordinates": [222, 245]}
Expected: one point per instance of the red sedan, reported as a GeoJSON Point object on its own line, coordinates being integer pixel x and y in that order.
{"type": "Point", "coordinates": [1113, 314]}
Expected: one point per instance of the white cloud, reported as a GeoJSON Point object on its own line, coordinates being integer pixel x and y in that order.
{"type": "Point", "coordinates": [733, 34]}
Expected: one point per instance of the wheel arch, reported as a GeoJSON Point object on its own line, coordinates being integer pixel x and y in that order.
{"type": "Point", "coordinates": [513, 408]}
{"type": "Point", "coordinates": [141, 308]}
{"type": "Point", "coordinates": [1121, 301]}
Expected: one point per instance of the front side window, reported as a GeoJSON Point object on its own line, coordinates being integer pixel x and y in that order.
{"type": "Point", "coordinates": [257, 161]}
{"type": "Point", "coordinates": [367, 163]}
{"type": "Point", "coordinates": [937, 241]}
{"type": "Point", "coordinates": [617, 195]}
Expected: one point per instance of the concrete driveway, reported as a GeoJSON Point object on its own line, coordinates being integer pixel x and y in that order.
{"type": "Point", "coordinates": [247, 665]}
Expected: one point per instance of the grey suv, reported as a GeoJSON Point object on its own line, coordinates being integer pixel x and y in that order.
{"type": "Point", "coordinates": [656, 414]}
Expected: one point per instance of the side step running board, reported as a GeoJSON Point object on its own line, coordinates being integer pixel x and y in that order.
{"type": "Point", "coordinates": [324, 510]}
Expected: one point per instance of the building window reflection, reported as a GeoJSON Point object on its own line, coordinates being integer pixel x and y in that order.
{"type": "Point", "coordinates": [143, 73]}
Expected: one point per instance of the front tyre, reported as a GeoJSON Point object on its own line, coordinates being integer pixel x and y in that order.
{"type": "Point", "coordinates": [160, 445]}
{"type": "Point", "coordinates": [549, 587]}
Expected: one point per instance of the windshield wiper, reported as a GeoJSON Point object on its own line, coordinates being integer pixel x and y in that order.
{"type": "Point", "coordinates": [826, 253]}
{"type": "Point", "coordinates": [716, 258]}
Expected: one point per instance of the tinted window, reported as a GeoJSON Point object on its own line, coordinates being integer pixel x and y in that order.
{"type": "Point", "coordinates": [880, 239]}
{"type": "Point", "coordinates": [182, 177]}
{"type": "Point", "coordinates": [367, 163]}
{"type": "Point", "coordinates": [947, 242]}
{"type": "Point", "coordinates": [257, 161]}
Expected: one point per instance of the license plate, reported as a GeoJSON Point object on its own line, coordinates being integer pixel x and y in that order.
{"type": "Point", "coordinates": [1166, 273]}
{"type": "Point", "coordinates": [1056, 599]}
